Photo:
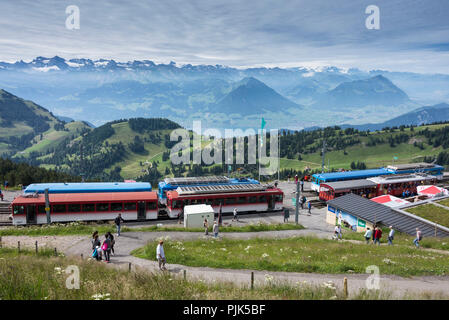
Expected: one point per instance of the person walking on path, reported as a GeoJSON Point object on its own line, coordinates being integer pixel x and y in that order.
{"type": "Point", "coordinates": [220, 218]}
{"type": "Point", "coordinates": [302, 185]}
{"type": "Point", "coordinates": [235, 218]}
{"type": "Point", "coordinates": [303, 202]}
{"type": "Point", "coordinates": [288, 180]}
{"type": "Point", "coordinates": [96, 253]}
{"type": "Point", "coordinates": [215, 229]}
{"type": "Point", "coordinates": [391, 236]}
{"type": "Point", "coordinates": [118, 221]}
{"type": "Point", "coordinates": [111, 237]}
{"type": "Point", "coordinates": [368, 235]}
{"type": "Point", "coordinates": [374, 233]}
{"type": "Point", "coordinates": [309, 205]}
{"type": "Point", "coordinates": [286, 215]}
{"type": "Point", "coordinates": [296, 179]}
{"type": "Point", "coordinates": [160, 255]}
{"type": "Point", "coordinates": [418, 237]}
{"type": "Point", "coordinates": [206, 227]}
{"type": "Point", "coordinates": [106, 248]}
{"type": "Point", "coordinates": [377, 236]}
{"type": "Point", "coordinates": [337, 232]}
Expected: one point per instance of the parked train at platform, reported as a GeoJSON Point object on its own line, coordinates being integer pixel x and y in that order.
{"type": "Point", "coordinates": [135, 201]}
{"type": "Point", "coordinates": [327, 177]}
{"type": "Point", "coordinates": [399, 185]}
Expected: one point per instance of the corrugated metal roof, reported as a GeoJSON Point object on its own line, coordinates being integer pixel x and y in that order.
{"type": "Point", "coordinates": [85, 187]}
{"type": "Point", "coordinates": [88, 197]}
{"type": "Point", "coordinates": [374, 212]}
{"type": "Point", "coordinates": [352, 174]}
{"type": "Point", "coordinates": [350, 184]}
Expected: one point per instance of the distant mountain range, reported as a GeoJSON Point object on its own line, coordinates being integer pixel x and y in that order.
{"type": "Point", "coordinates": [424, 115]}
{"type": "Point", "coordinates": [103, 90]}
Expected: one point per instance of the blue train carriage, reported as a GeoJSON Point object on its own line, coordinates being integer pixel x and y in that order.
{"type": "Point", "coordinates": [88, 187]}
{"type": "Point", "coordinates": [326, 177]}
{"type": "Point", "coordinates": [421, 167]}
{"type": "Point", "coordinates": [170, 184]}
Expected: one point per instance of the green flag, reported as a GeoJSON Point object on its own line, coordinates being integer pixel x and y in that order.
{"type": "Point", "coordinates": [262, 125]}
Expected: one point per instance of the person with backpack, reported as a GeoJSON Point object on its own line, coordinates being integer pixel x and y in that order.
{"type": "Point", "coordinates": [160, 255]}
{"type": "Point", "coordinates": [235, 218]}
{"type": "Point", "coordinates": [303, 202]}
{"type": "Point", "coordinates": [106, 248]}
{"type": "Point", "coordinates": [309, 206]}
{"type": "Point", "coordinates": [391, 236]}
{"type": "Point", "coordinates": [368, 235]}
{"type": "Point", "coordinates": [206, 227]}
{"type": "Point", "coordinates": [302, 185]}
{"type": "Point", "coordinates": [111, 237]}
{"type": "Point", "coordinates": [118, 220]}
{"type": "Point", "coordinates": [418, 237]}
{"type": "Point", "coordinates": [377, 235]}
{"type": "Point", "coordinates": [286, 215]}
{"type": "Point", "coordinates": [96, 253]}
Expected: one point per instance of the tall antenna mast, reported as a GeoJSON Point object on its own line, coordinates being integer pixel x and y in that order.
{"type": "Point", "coordinates": [323, 152]}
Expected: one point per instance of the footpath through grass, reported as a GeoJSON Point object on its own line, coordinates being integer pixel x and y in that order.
{"type": "Point", "coordinates": [301, 254]}
{"type": "Point", "coordinates": [76, 228]}
{"type": "Point", "coordinates": [27, 276]}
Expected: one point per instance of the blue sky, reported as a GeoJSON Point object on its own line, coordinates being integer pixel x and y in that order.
{"type": "Point", "coordinates": [413, 35]}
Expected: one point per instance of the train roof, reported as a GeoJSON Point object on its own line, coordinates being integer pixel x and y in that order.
{"type": "Point", "coordinates": [350, 184]}
{"type": "Point", "coordinates": [413, 166]}
{"type": "Point", "coordinates": [207, 180]}
{"type": "Point", "coordinates": [399, 178]}
{"type": "Point", "coordinates": [89, 187]}
{"type": "Point", "coordinates": [86, 197]}
{"type": "Point", "coordinates": [221, 190]}
{"type": "Point", "coordinates": [352, 174]}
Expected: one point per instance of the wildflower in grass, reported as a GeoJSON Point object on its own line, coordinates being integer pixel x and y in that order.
{"type": "Point", "coordinates": [224, 249]}
{"type": "Point", "coordinates": [295, 251]}
{"type": "Point", "coordinates": [388, 261]}
{"type": "Point", "coordinates": [247, 248]}
{"type": "Point", "coordinates": [329, 285]}
{"type": "Point", "coordinates": [58, 270]}
{"type": "Point", "coordinates": [268, 278]}
{"type": "Point", "coordinates": [265, 255]}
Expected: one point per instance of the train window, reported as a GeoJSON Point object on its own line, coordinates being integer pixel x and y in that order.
{"type": "Point", "coordinates": [230, 200]}
{"type": "Point", "coordinates": [177, 204]}
{"type": "Point", "coordinates": [262, 199]}
{"type": "Point", "coordinates": [116, 206]}
{"type": "Point", "coordinates": [252, 199]}
{"type": "Point", "coordinates": [186, 202]}
{"type": "Point", "coordinates": [102, 206]}
{"type": "Point", "coordinates": [151, 206]}
{"type": "Point", "coordinates": [74, 208]}
{"type": "Point", "coordinates": [19, 209]}
{"type": "Point", "coordinates": [59, 208]}
{"type": "Point", "coordinates": [41, 209]}
{"type": "Point", "coordinates": [216, 202]}
{"type": "Point", "coordinates": [130, 206]}
{"type": "Point", "coordinates": [88, 207]}
{"type": "Point", "coordinates": [209, 202]}
{"type": "Point", "coordinates": [278, 198]}
{"type": "Point", "coordinates": [241, 200]}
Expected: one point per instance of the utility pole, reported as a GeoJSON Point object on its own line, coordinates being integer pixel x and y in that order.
{"type": "Point", "coordinates": [322, 157]}
{"type": "Point", "coordinates": [297, 202]}
{"type": "Point", "coordinates": [47, 206]}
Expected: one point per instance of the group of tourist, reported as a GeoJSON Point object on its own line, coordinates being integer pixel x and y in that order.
{"type": "Point", "coordinates": [214, 228]}
{"type": "Point", "coordinates": [103, 249]}
{"type": "Point", "coordinates": [376, 234]}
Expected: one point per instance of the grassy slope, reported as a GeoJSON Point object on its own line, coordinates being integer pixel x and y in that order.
{"type": "Point", "coordinates": [377, 156]}
{"type": "Point", "coordinates": [432, 213]}
{"type": "Point", "coordinates": [301, 255]}
{"type": "Point", "coordinates": [27, 276]}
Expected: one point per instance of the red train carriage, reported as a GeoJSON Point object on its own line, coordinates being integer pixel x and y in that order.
{"type": "Point", "coordinates": [400, 185]}
{"type": "Point", "coordinates": [30, 209]}
{"type": "Point", "coordinates": [246, 198]}
{"type": "Point", "coordinates": [362, 187]}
